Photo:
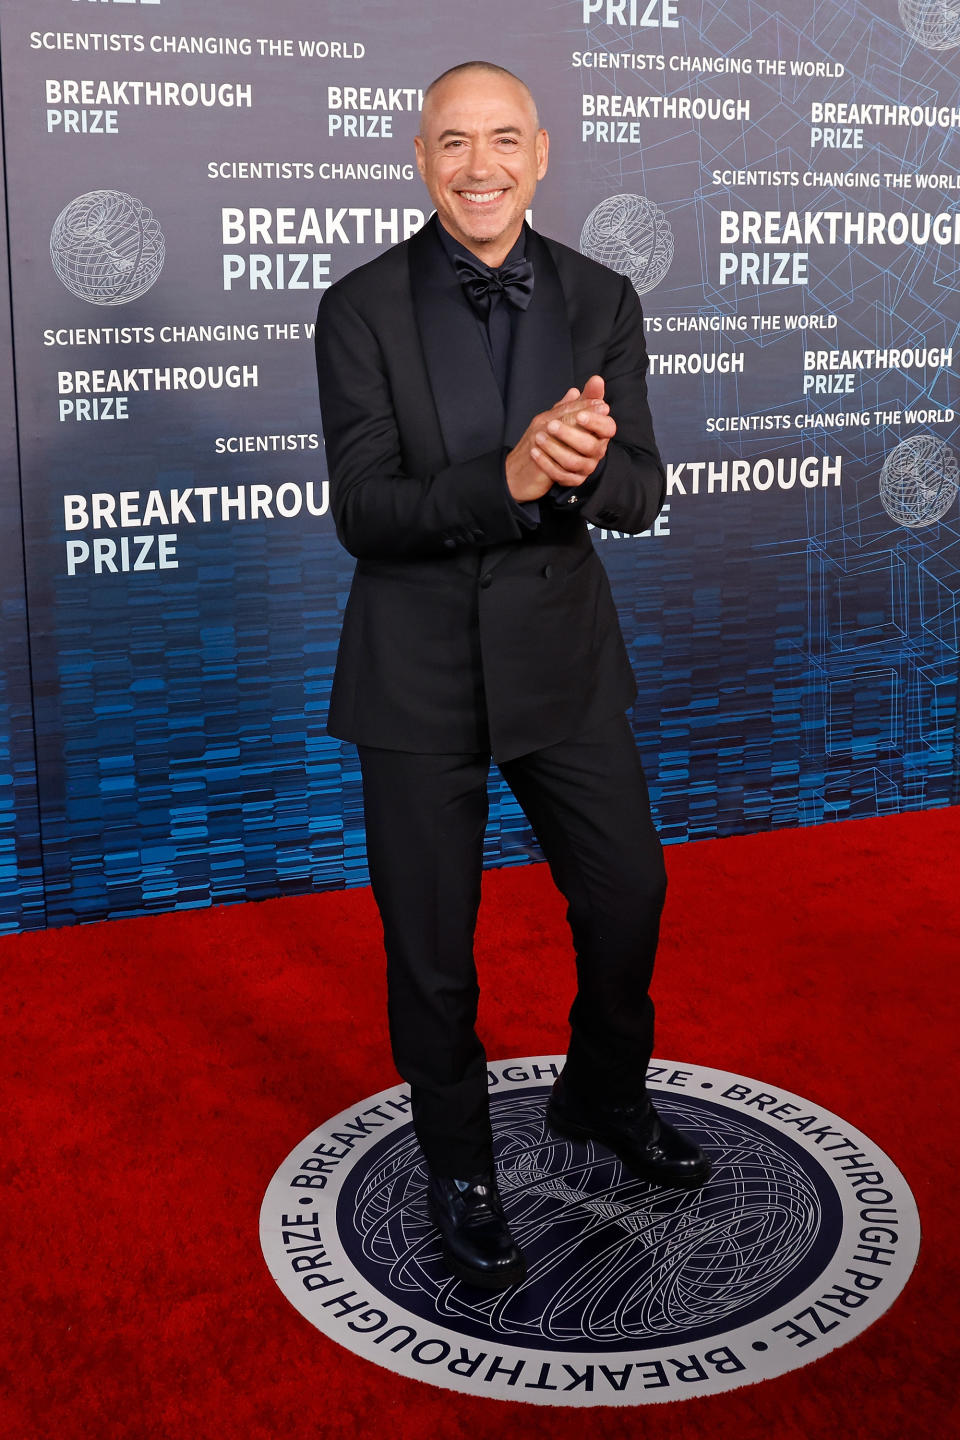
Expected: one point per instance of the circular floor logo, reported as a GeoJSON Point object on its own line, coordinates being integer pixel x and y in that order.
{"type": "Point", "coordinates": [803, 1236]}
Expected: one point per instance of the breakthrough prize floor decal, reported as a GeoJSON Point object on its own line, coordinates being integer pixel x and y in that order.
{"type": "Point", "coordinates": [803, 1237]}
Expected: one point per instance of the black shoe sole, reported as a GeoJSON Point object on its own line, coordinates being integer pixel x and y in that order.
{"type": "Point", "coordinates": [654, 1174]}
{"type": "Point", "coordinates": [485, 1279]}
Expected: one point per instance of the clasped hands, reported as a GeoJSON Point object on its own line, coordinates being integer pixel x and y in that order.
{"type": "Point", "coordinates": [562, 446]}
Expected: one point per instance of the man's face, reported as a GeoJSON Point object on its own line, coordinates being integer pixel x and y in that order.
{"type": "Point", "coordinates": [480, 155]}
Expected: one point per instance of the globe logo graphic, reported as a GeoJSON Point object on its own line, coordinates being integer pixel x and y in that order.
{"type": "Point", "coordinates": [934, 24]}
{"type": "Point", "coordinates": [634, 1293]}
{"type": "Point", "coordinates": [107, 248]}
{"type": "Point", "coordinates": [631, 235]}
{"type": "Point", "coordinates": [919, 481]}
{"type": "Point", "coordinates": [613, 1263]}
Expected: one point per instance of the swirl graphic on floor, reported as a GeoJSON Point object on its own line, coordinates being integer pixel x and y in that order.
{"type": "Point", "coordinates": [802, 1237]}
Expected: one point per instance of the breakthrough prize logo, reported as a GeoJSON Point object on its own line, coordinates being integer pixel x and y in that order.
{"type": "Point", "coordinates": [631, 235]}
{"type": "Point", "coordinates": [107, 248]}
{"type": "Point", "coordinates": [919, 481]}
{"type": "Point", "coordinates": [803, 1236]}
{"type": "Point", "coordinates": [934, 24]}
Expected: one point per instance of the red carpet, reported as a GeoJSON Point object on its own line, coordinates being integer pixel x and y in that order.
{"type": "Point", "coordinates": [158, 1070]}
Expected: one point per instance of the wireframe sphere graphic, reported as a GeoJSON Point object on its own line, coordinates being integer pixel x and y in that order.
{"type": "Point", "coordinates": [919, 481]}
{"type": "Point", "coordinates": [612, 1261]}
{"type": "Point", "coordinates": [631, 235]}
{"type": "Point", "coordinates": [934, 24]}
{"type": "Point", "coordinates": [107, 248]}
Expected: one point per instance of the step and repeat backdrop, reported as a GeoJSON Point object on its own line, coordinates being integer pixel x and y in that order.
{"type": "Point", "coordinates": [184, 178]}
{"type": "Point", "coordinates": [21, 879]}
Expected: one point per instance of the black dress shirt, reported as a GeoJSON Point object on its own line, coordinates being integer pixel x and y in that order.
{"type": "Point", "coordinates": [498, 332]}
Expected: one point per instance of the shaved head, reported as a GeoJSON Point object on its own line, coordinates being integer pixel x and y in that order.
{"type": "Point", "coordinates": [476, 67]}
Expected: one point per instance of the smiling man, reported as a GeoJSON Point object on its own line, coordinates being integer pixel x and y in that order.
{"type": "Point", "coordinates": [480, 153]}
{"type": "Point", "coordinates": [483, 396]}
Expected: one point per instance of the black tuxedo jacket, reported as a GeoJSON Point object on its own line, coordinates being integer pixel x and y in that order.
{"type": "Point", "coordinates": [468, 623]}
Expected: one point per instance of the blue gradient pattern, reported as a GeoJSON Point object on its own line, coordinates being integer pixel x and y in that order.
{"type": "Point", "coordinates": [796, 652]}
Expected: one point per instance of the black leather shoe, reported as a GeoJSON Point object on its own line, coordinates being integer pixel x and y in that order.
{"type": "Point", "coordinates": [477, 1244]}
{"type": "Point", "coordinates": [649, 1147]}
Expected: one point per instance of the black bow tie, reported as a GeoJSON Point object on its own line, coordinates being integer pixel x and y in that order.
{"type": "Point", "coordinates": [514, 281]}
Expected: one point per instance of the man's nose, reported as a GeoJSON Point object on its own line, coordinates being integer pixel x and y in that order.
{"type": "Point", "coordinates": [482, 162]}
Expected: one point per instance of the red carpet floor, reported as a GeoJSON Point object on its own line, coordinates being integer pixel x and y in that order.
{"type": "Point", "coordinates": [157, 1071]}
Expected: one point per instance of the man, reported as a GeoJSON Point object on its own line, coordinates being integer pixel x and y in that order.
{"type": "Point", "coordinates": [483, 395]}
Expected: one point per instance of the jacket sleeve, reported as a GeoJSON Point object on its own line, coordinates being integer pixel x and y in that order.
{"type": "Point", "coordinates": [380, 510]}
{"type": "Point", "coordinates": [631, 487]}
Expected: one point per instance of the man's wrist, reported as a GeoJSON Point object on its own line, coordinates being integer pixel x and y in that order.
{"type": "Point", "coordinates": [527, 511]}
{"type": "Point", "coordinates": [571, 497]}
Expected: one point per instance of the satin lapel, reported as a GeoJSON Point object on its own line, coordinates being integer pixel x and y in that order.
{"type": "Point", "coordinates": [541, 366]}
{"type": "Point", "coordinates": [465, 390]}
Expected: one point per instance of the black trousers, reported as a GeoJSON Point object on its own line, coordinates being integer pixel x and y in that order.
{"type": "Point", "coordinates": [587, 802]}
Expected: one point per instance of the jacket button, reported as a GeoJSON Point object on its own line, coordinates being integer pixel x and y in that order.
{"type": "Point", "coordinates": [485, 582]}
{"type": "Point", "coordinates": [573, 499]}
{"type": "Point", "coordinates": [548, 572]}
{"type": "Point", "coordinates": [449, 543]}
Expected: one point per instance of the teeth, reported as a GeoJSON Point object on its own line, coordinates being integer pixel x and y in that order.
{"type": "Point", "coordinates": [482, 197]}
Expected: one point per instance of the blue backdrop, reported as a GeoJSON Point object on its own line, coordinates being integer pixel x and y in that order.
{"type": "Point", "coordinates": [183, 180]}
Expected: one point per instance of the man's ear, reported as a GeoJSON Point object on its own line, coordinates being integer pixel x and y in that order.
{"type": "Point", "coordinates": [542, 146]}
{"type": "Point", "coordinates": [421, 155]}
